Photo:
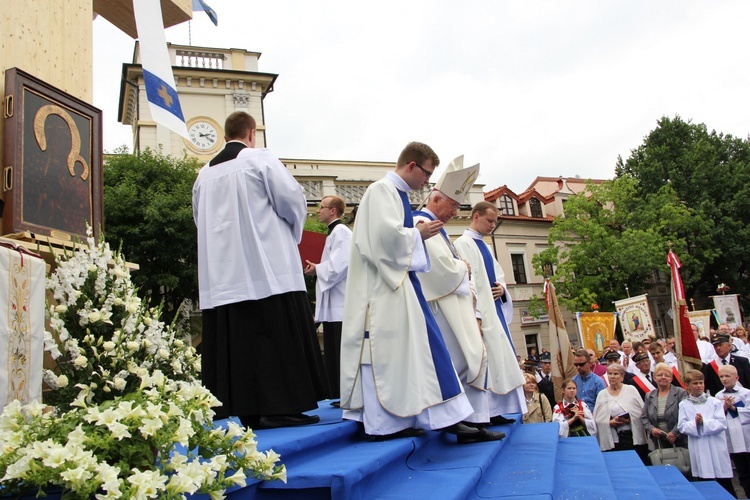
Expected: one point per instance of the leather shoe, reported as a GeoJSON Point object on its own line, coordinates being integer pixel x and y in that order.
{"type": "Point", "coordinates": [500, 420]}
{"type": "Point", "coordinates": [483, 436]}
{"type": "Point", "coordinates": [404, 433]}
{"type": "Point", "coordinates": [461, 429]}
{"type": "Point", "coordinates": [276, 421]}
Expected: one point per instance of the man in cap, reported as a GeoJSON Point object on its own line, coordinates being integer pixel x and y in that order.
{"type": "Point", "coordinates": [722, 343]}
{"type": "Point", "coordinates": [642, 380]}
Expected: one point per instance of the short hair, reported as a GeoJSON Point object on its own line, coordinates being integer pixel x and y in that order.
{"type": "Point", "coordinates": [419, 153]}
{"type": "Point", "coordinates": [627, 342]}
{"type": "Point", "coordinates": [582, 353]}
{"type": "Point", "coordinates": [529, 377]}
{"type": "Point", "coordinates": [482, 207]}
{"type": "Point", "coordinates": [662, 367]}
{"type": "Point", "coordinates": [238, 125]}
{"type": "Point", "coordinates": [336, 202]}
{"type": "Point", "coordinates": [655, 347]}
{"type": "Point", "coordinates": [637, 345]}
{"type": "Point", "coordinates": [693, 375]}
{"type": "Point", "coordinates": [568, 381]}
{"type": "Point", "coordinates": [728, 368]}
{"type": "Point", "coordinates": [617, 367]}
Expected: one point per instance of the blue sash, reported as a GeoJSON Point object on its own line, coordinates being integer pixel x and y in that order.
{"type": "Point", "coordinates": [489, 265]}
{"type": "Point", "coordinates": [446, 374]}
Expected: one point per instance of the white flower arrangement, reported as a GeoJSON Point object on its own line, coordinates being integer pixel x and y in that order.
{"type": "Point", "coordinates": [130, 418]}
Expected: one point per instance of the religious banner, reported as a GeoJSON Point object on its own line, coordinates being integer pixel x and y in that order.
{"type": "Point", "coordinates": [596, 330]}
{"type": "Point", "coordinates": [560, 353]}
{"type": "Point", "coordinates": [728, 309]}
{"type": "Point", "coordinates": [635, 318]}
{"type": "Point", "coordinates": [22, 284]}
{"type": "Point", "coordinates": [701, 319]}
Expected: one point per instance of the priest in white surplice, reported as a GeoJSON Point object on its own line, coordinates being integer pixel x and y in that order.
{"type": "Point", "coordinates": [494, 309]}
{"type": "Point", "coordinates": [261, 358]}
{"type": "Point", "coordinates": [447, 288]}
{"type": "Point", "coordinates": [396, 373]}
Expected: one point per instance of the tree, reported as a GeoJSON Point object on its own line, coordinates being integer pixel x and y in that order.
{"type": "Point", "coordinates": [148, 212]}
{"type": "Point", "coordinates": [710, 173]}
{"type": "Point", "coordinates": [610, 239]}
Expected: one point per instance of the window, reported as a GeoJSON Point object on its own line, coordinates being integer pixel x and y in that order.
{"type": "Point", "coordinates": [536, 208]}
{"type": "Point", "coordinates": [519, 268]}
{"type": "Point", "coordinates": [505, 204]}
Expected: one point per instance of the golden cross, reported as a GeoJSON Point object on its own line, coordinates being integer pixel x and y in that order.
{"type": "Point", "coordinates": [165, 95]}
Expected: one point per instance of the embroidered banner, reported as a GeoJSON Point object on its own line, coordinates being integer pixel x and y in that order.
{"type": "Point", "coordinates": [22, 280]}
{"type": "Point", "coordinates": [596, 330]}
{"type": "Point", "coordinates": [701, 319]}
{"type": "Point", "coordinates": [635, 318]}
{"type": "Point", "coordinates": [728, 310]}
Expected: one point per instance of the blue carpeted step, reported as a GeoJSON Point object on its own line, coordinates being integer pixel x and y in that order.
{"type": "Point", "coordinates": [712, 490]}
{"type": "Point", "coordinates": [580, 470]}
{"type": "Point", "coordinates": [673, 483]}
{"type": "Point", "coordinates": [629, 476]}
{"type": "Point", "coordinates": [440, 467]}
{"type": "Point", "coordinates": [525, 466]}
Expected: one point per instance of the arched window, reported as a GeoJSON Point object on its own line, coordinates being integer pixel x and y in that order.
{"type": "Point", "coordinates": [536, 208]}
{"type": "Point", "coordinates": [505, 204]}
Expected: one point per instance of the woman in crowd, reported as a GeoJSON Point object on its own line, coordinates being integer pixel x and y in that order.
{"type": "Point", "coordinates": [702, 419]}
{"type": "Point", "coordinates": [617, 413]}
{"type": "Point", "coordinates": [661, 410]}
{"type": "Point", "coordinates": [574, 415]}
{"type": "Point", "coordinates": [539, 409]}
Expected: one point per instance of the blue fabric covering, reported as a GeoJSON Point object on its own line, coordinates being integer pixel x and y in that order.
{"type": "Point", "coordinates": [672, 483]}
{"type": "Point", "coordinates": [580, 470]}
{"type": "Point", "coordinates": [628, 478]}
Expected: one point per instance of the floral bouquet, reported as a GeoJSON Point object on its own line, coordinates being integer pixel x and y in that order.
{"type": "Point", "coordinates": [130, 418]}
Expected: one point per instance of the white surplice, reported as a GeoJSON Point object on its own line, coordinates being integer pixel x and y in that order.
{"type": "Point", "coordinates": [330, 287]}
{"type": "Point", "coordinates": [709, 456]}
{"type": "Point", "coordinates": [738, 426]}
{"type": "Point", "coordinates": [247, 243]}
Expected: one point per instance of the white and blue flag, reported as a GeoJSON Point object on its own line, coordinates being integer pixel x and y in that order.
{"type": "Point", "coordinates": [199, 5]}
{"type": "Point", "coordinates": [161, 91]}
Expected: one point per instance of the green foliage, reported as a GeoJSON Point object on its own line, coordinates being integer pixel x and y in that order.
{"type": "Point", "coordinates": [709, 172]}
{"type": "Point", "coordinates": [610, 239]}
{"type": "Point", "coordinates": [148, 210]}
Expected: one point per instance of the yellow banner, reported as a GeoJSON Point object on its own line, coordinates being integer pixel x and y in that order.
{"type": "Point", "coordinates": [596, 329]}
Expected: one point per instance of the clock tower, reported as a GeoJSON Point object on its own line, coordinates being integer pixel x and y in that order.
{"type": "Point", "coordinates": [212, 83]}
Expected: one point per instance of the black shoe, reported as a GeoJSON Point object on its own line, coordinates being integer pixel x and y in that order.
{"type": "Point", "coordinates": [483, 436]}
{"type": "Point", "coordinates": [409, 432]}
{"type": "Point", "coordinates": [336, 404]}
{"type": "Point", "coordinates": [276, 421]}
{"type": "Point", "coordinates": [461, 429]}
{"type": "Point", "coordinates": [500, 420]}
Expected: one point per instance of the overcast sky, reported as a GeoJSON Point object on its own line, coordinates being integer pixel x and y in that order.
{"type": "Point", "coordinates": [526, 88]}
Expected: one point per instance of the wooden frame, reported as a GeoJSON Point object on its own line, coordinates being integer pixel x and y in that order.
{"type": "Point", "coordinates": [52, 171]}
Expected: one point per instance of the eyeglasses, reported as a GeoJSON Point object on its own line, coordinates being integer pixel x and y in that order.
{"type": "Point", "coordinates": [581, 364]}
{"type": "Point", "coordinates": [323, 206]}
{"type": "Point", "coordinates": [427, 173]}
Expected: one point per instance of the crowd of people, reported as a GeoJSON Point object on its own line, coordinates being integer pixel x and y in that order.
{"type": "Point", "coordinates": [634, 397]}
{"type": "Point", "coordinates": [415, 325]}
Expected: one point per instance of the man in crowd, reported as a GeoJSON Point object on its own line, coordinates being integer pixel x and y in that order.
{"type": "Point", "coordinates": [397, 377]}
{"type": "Point", "coordinates": [736, 401]}
{"type": "Point", "coordinates": [723, 347]}
{"type": "Point", "coordinates": [261, 357]}
{"type": "Point", "coordinates": [627, 351]}
{"type": "Point", "coordinates": [657, 354]}
{"type": "Point", "coordinates": [642, 380]}
{"type": "Point", "coordinates": [705, 348]}
{"type": "Point", "coordinates": [596, 367]}
{"type": "Point", "coordinates": [330, 285]}
{"type": "Point", "coordinates": [669, 356]}
{"type": "Point", "coordinates": [588, 383]}
{"type": "Point", "coordinates": [545, 384]}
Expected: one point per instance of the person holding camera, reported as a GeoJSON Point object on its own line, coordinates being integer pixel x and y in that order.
{"type": "Point", "coordinates": [618, 414]}
{"type": "Point", "coordinates": [574, 416]}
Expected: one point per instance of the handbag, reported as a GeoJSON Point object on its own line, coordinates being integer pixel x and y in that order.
{"type": "Point", "coordinates": [677, 456]}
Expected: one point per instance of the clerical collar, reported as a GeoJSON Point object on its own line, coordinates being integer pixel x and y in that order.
{"type": "Point", "coordinates": [732, 390]}
{"type": "Point", "coordinates": [333, 224]}
{"type": "Point", "coordinates": [396, 179]}
{"type": "Point", "coordinates": [473, 234]}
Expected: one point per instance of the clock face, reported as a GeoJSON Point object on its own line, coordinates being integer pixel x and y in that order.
{"type": "Point", "coordinates": [203, 135]}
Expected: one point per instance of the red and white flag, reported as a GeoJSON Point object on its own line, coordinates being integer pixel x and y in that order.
{"type": "Point", "coordinates": [685, 344]}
